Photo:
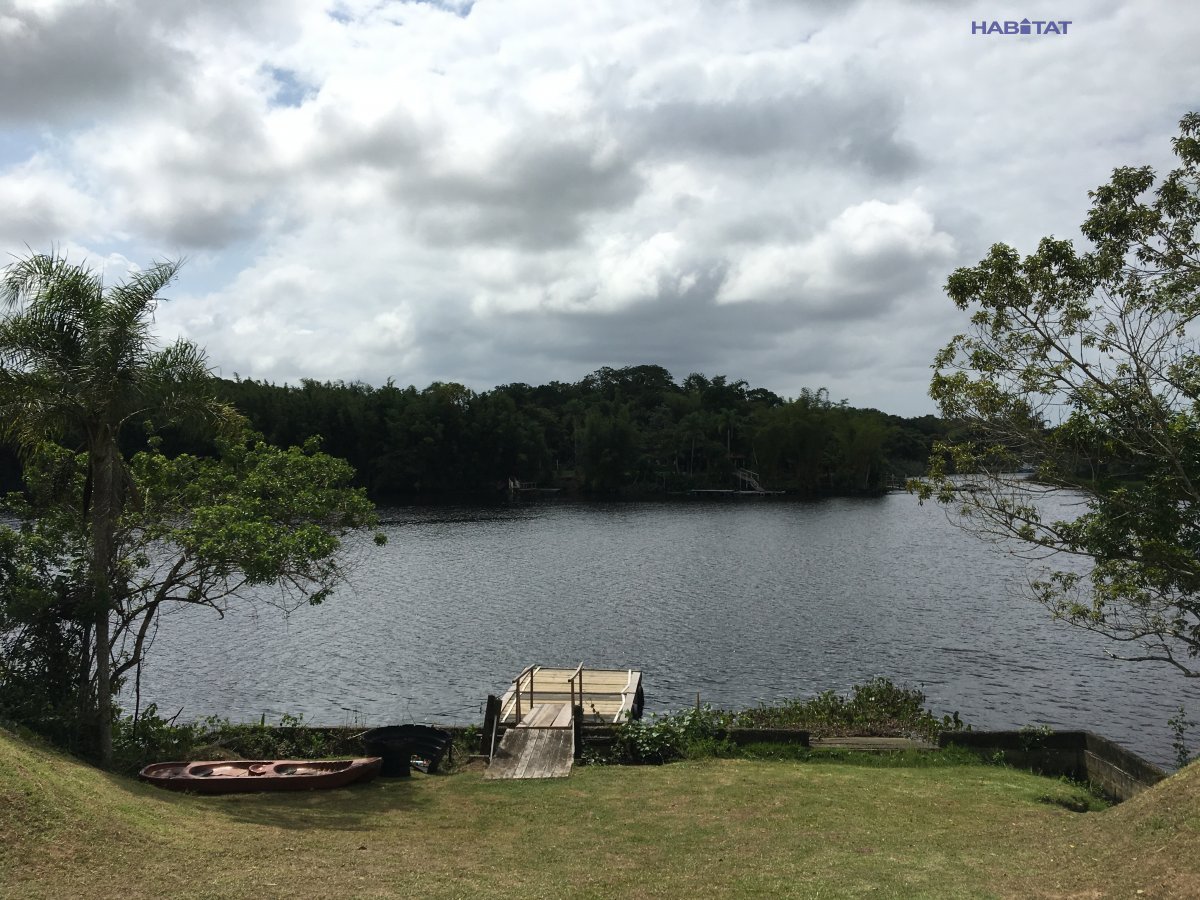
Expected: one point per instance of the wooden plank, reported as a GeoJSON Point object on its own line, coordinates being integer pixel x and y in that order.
{"type": "Point", "coordinates": [879, 744]}
{"type": "Point", "coordinates": [555, 757]}
{"type": "Point", "coordinates": [548, 715]}
{"type": "Point", "coordinates": [563, 719]}
{"type": "Point", "coordinates": [529, 756]}
{"type": "Point", "coordinates": [601, 677]}
{"type": "Point", "coordinates": [533, 753]}
{"type": "Point", "coordinates": [527, 749]}
{"type": "Point", "coordinates": [531, 716]}
{"type": "Point", "coordinates": [552, 757]}
{"type": "Point", "coordinates": [542, 716]}
{"type": "Point", "coordinates": [504, 763]}
{"type": "Point", "coordinates": [565, 696]}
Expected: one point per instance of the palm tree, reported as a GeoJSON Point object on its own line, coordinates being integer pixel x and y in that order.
{"type": "Point", "coordinates": [78, 362]}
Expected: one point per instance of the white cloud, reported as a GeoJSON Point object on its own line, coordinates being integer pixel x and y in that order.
{"type": "Point", "coordinates": [40, 206]}
{"type": "Point", "coordinates": [874, 251]}
{"type": "Point", "coordinates": [523, 190]}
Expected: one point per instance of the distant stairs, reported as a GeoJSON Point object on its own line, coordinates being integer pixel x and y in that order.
{"type": "Point", "coordinates": [748, 480]}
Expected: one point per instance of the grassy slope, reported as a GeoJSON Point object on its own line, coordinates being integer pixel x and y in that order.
{"type": "Point", "coordinates": [710, 829]}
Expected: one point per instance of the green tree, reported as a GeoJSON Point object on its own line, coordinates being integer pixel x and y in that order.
{"type": "Point", "coordinates": [253, 522]}
{"type": "Point", "coordinates": [1085, 364]}
{"type": "Point", "coordinates": [77, 360]}
{"type": "Point", "coordinates": [608, 448]}
{"type": "Point", "coordinates": [793, 441]}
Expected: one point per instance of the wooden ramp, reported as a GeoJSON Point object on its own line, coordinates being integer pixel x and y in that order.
{"type": "Point", "coordinates": [542, 746]}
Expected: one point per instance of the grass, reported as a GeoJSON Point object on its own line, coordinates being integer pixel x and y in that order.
{"type": "Point", "coordinates": [713, 828]}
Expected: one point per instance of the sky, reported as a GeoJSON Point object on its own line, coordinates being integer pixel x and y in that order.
{"type": "Point", "coordinates": [526, 190]}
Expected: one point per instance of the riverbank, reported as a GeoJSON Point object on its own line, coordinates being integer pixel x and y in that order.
{"type": "Point", "coordinates": [701, 829]}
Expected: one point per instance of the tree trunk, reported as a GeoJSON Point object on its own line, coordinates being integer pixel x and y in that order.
{"type": "Point", "coordinates": [84, 700]}
{"type": "Point", "coordinates": [106, 509]}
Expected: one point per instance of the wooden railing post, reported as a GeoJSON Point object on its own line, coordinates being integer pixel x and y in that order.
{"type": "Point", "coordinates": [576, 690]}
{"type": "Point", "coordinates": [528, 670]}
{"type": "Point", "coordinates": [577, 728]}
{"type": "Point", "coordinates": [491, 724]}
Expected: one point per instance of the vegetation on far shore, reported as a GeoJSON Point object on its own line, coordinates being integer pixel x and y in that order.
{"type": "Point", "coordinates": [634, 431]}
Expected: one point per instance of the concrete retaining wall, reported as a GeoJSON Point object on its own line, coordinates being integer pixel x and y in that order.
{"type": "Point", "coordinates": [1082, 755]}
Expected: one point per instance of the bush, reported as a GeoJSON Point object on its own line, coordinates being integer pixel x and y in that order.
{"type": "Point", "coordinates": [662, 738]}
{"type": "Point", "coordinates": [878, 708]}
{"type": "Point", "coordinates": [151, 738]}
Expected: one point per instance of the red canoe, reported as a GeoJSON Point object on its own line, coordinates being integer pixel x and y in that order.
{"type": "Point", "coordinates": [248, 775]}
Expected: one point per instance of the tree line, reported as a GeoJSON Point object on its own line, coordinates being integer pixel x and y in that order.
{"type": "Point", "coordinates": [632, 431]}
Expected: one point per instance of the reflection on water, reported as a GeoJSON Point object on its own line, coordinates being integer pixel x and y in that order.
{"type": "Point", "coordinates": [745, 603]}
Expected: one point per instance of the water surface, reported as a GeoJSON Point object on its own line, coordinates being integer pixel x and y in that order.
{"type": "Point", "coordinates": [744, 603]}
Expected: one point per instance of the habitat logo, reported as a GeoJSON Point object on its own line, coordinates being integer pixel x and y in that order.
{"type": "Point", "coordinates": [1025, 26]}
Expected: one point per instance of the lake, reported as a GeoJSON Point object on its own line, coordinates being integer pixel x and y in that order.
{"type": "Point", "coordinates": [743, 602]}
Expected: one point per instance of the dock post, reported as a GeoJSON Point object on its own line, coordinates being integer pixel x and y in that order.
{"type": "Point", "coordinates": [577, 728]}
{"type": "Point", "coordinates": [491, 720]}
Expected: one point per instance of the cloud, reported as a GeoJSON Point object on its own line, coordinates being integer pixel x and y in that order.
{"type": "Point", "coordinates": [865, 259]}
{"type": "Point", "coordinates": [536, 196]}
{"type": "Point", "coordinates": [522, 190]}
{"type": "Point", "coordinates": [823, 126]}
{"type": "Point", "coordinates": [59, 60]}
{"type": "Point", "coordinates": [40, 206]}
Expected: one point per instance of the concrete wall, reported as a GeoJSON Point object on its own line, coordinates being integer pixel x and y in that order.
{"type": "Point", "coordinates": [1082, 755]}
{"type": "Point", "coordinates": [743, 736]}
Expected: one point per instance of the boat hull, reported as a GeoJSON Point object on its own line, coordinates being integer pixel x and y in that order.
{"type": "Point", "coordinates": [245, 776]}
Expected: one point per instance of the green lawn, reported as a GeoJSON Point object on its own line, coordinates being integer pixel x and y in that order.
{"type": "Point", "coordinates": [716, 828]}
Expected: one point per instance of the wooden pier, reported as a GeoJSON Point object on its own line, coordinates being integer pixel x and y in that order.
{"type": "Point", "coordinates": [543, 711]}
{"type": "Point", "coordinates": [606, 695]}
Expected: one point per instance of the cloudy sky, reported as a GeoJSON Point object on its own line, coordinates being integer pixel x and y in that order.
{"type": "Point", "coordinates": [526, 190]}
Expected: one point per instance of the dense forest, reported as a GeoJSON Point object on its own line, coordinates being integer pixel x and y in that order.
{"type": "Point", "coordinates": [633, 431]}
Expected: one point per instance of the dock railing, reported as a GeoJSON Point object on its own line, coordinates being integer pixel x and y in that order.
{"type": "Point", "coordinates": [577, 711]}
{"type": "Point", "coordinates": [576, 682]}
{"type": "Point", "coordinates": [528, 670]}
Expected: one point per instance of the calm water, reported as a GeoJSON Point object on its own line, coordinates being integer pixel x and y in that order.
{"type": "Point", "coordinates": [745, 603]}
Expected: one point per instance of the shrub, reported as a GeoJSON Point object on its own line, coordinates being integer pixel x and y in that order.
{"type": "Point", "coordinates": [662, 738]}
{"type": "Point", "coordinates": [150, 738]}
{"type": "Point", "coordinates": [877, 708]}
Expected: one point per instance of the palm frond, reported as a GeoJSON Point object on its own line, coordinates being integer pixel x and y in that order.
{"type": "Point", "coordinates": [51, 281]}
{"type": "Point", "coordinates": [34, 408]}
{"type": "Point", "coordinates": [74, 354]}
{"type": "Point", "coordinates": [124, 323]}
{"type": "Point", "coordinates": [177, 381]}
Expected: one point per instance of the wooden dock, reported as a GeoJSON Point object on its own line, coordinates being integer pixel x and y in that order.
{"type": "Point", "coordinates": [538, 713]}
{"type": "Point", "coordinates": [606, 695]}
